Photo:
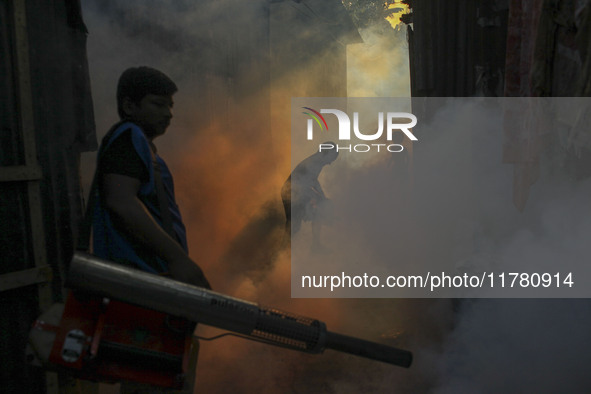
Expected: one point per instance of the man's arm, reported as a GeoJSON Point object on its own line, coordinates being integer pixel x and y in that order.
{"type": "Point", "coordinates": [315, 185]}
{"type": "Point", "coordinates": [121, 200]}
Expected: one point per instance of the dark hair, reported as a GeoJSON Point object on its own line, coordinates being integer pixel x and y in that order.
{"type": "Point", "coordinates": [331, 150]}
{"type": "Point", "coordinates": [329, 155]}
{"type": "Point", "coordinates": [138, 82]}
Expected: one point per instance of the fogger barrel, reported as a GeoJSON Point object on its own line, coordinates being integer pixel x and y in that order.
{"type": "Point", "coordinates": [91, 274]}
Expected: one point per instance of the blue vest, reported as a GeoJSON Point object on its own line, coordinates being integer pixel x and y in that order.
{"type": "Point", "coordinates": [107, 242]}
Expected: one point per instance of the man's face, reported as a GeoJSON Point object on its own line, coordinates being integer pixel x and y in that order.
{"type": "Point", "coordinates": [152, 114]}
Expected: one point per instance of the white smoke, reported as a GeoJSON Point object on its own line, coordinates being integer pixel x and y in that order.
{"type": "Point", "coordinates": [459, 218]}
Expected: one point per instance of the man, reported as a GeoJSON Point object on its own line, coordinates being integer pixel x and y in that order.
{"type": "Point", "coordinates": [136, 220]}
{"type": "Point", "coordinates": [129, 225]}
{"type": "Point", "coordinates": [303, 197]}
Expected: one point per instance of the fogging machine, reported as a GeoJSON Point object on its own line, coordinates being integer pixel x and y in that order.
{"type": "Point", "coordinates": [127, 324]}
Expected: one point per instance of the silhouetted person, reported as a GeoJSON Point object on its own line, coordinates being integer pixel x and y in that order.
{"type": "Point", "coordinates": [303, 197]}
{"type": "Point", "coordinates": [136, 220]}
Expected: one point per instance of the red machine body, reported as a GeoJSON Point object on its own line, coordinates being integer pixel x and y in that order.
{"type": "Point", "coordinates": [107, 340]}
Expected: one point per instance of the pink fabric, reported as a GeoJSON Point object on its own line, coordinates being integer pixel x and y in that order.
{"type": "Point", "coordinates": [524, 17]}
{"type": "Point", "coordinates": [521, 143]}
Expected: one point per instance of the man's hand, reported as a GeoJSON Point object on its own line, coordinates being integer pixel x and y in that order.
{"type": "Point", "coordinates": [185, 270]}
{"type": "Point", "coordinates": [121, 200]}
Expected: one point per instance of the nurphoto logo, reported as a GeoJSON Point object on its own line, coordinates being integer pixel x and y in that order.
{"type": "Point", "coordinates": [395, 122]}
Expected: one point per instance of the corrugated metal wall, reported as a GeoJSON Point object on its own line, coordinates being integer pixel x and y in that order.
{"type": "Point", "coordinates": [46, 119]}
{"type": "Point", "coordinates": [457, 48]}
